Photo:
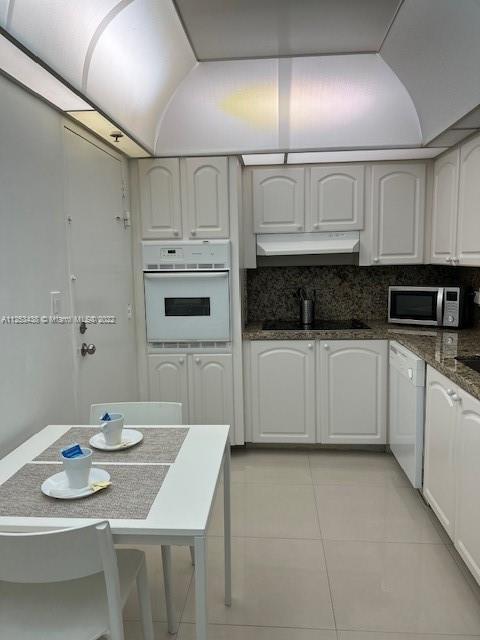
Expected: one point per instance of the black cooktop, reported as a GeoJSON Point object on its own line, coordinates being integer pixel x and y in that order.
{"type": "Point", "coordinates": [318, 325]}
{"type": "Point", "coordinates": [470, 361]}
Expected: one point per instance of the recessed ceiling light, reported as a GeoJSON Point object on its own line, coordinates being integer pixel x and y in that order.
{"type": "Point", "coordinates": [359, 155]}
{"type": "Point", "coordinates": [19, 66]}
{"type": "Point", "coordinates": [263, 158]}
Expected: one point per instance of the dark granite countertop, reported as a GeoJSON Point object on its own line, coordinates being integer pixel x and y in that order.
{"type": "Point", "coordinates": [437, 347]}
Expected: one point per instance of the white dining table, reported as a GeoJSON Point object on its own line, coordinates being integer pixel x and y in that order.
{"type": "Point", "coordinates": [179, 514]}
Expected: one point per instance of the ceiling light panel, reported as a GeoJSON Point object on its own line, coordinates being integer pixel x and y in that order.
{"type": "Point", "coordinates": [109, 132]}
{"type": "Point", "coordinates": [263, 158]}
{"type": "Point", "coordinates": [18, 65]}
{"type": "Point", "coordinates": [362, 155]}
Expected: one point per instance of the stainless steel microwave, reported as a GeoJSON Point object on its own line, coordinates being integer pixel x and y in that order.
{"type": "Point", "coordinates": [429, 306]}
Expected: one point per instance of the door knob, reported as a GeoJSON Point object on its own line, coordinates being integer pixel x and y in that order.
{"type": "Point", "coordinates": [375, 259]}
{"type": "Point", "coordinates": [326, 346]}
{"type": "Point", "coordinates": [87, 348]}
{"type": "Point", "coordinates": [182, 360]}
{"type": "Point", "coordinates": [197, 360]}
{"type": "Point", "coordinates": [310, 346]}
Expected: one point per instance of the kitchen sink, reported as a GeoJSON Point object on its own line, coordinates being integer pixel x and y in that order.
{"type": "Point", "coordinates": [318, 325]}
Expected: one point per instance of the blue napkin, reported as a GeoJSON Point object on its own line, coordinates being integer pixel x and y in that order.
{"type": "Point", "coordinates": [73, 451]}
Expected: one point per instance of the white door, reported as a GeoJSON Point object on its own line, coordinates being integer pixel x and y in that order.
{"type": "Point", "coordinates": [159, 185]}
{"type": "Point", "coordinates": [100, 263]}
{"type": "Point", "coordinates": [168, 380]}
{"type": "Point", "coordinates": [205, 193]}
{"type": "Point", "coordinates": [445, 208]}
{"type": "Point", "coordinates": [352, 396]}
{"type": "Point", "coordinates": [336, 198]}
{"type": "Point", "coordinates": [467, 457]}
{"type": "Point", "coordinates": [440, 427]}
{"type": "Point", "coordinates": [282, 391]}
{"type": "Point", "coordinates": [468, 234]}
{"type": "Point", "coordinates": [279, 200]}
{"type": "Point", "coordinates": [211, 389]}
{"type": "Point", "coordinates": [397, 213]}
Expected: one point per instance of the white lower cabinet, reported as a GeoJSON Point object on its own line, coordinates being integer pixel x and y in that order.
{"type": "Point", "coordinates": [329, 391]}
{"type": "Point", "coordinates": [452, 469]}
{"type": "Point", "coordinates": [440, 427]}
{"type": "Point", "coordinates": [352, 391]}
{"type": "Point", "coordinates": [203, 383]}
{"type": "Point", "coordinates": [282, 391]}
{"type": "Point", "coordinates": [467, 463]}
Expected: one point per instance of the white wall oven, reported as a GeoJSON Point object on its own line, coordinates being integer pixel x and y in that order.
{"type": "Point", "coordinates": [187, 291]}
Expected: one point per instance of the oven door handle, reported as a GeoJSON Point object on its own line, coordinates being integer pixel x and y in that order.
{"type": "Point", "coordinates": [186, 274]}
{"type": "Point", "coordinates": [440, 306]}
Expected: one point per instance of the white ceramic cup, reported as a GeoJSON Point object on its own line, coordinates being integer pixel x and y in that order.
{"type": "Point", "coordinates": [112, 429]}
{"type": "Point", "coordinates": [78, 469]}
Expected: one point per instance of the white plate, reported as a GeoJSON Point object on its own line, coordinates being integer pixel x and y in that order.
{"type": "Point", "coordinates": [130, 437]}
{"type": "Point", "coordinates": [57, 486]}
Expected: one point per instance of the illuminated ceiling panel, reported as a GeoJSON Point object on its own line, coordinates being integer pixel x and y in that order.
{"type": "Point", "coordinates": [137, 64]}
{"type": "Point", "coordinates": [19, 66]}
{"type": "Point", "coordinates": [60, 33]}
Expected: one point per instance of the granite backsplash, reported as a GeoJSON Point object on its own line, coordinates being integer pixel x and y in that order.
{"type": "Point", "coordinates": [342, 291]}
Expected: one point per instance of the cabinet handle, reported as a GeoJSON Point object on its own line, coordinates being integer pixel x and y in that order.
{"type": "Point", "coordinates": [375, 259]}
{"type": "Point", "coordinates": [456, 397]}
{"type": "Point", "coordinates": [197, 360]}
{"type": "Point", "coordinates": [182, 360]}
{"type": "Point", "coordinates": [175, 232]}
{"type": "Point", "coordinates": [193, 232]}
{"type": "Point", "coordinates": [450, 392]}
{"type": "Point", "coordinates": [299, 227]}
{"type": "Point", "coordinates": [326, 346]}
{"type": "Point", "coordinates": [455, 260]}
{"type": "Point", "coordinates": [316, 225]}
{"type": "Point", "coordinates": [448, 259]}
{"type": "Point", "coordinates": [310, 345]}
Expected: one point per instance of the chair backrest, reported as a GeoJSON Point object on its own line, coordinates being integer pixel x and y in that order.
{"type": "Point", "coordinates": [140, 412]}
{"type": "Point", "coordinates": [56, 556]}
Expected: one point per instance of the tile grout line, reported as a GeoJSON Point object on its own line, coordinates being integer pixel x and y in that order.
{"type": "Point", "coordinates": [323, 549]}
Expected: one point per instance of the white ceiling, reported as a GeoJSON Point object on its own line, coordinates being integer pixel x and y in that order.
{"type": "Point", "coordinates": [230, 29]}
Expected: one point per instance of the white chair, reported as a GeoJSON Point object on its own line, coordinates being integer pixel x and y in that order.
{"type": "Point", "coordinates": [69, 584]}
{"type": "Point", "coordinates": [136, 413]}
{"type": "Point", "coordinates": [140, 412]}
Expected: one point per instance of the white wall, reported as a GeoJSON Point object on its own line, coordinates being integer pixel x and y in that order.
{"type": "Point", "coordinates": [36, 386]}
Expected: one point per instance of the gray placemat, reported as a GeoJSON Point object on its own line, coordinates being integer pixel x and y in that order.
{"type": "Point", "coordinates": [158, 445]}
{"type": "Point", "coordinates": [131, 495]}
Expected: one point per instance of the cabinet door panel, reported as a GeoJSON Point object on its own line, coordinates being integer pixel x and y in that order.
{"type": "Point", "coordinates": [468, 236]}
{"type": "Point", "coordinates": [167, 379]}
{"type": "Point", "coordinates": [159, 183]}
{"type": "Point", "coordinates": [467, 457]}
{"type": "Point", "coordinates": [398, 213]}
{"type": "Point", "coordinates": [212, 389]}
{"type": "Point", "coordinates": [278, 200]}
{"type": "Point", "coordinates": [445, 207]}
{"type": "Point", "coordinates": [206, 197]}
{"type": "Point", "coordinates": [440, 424]}
{"type": "Point", "coordinates": [336, 198]}
{"type": "Point", "coordinates": [283, 391]}
{"type": "Point", "coordinates": [352, 394]}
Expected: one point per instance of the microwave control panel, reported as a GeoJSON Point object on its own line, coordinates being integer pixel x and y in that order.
{"type": "Point", "coordinates": [451, 307]}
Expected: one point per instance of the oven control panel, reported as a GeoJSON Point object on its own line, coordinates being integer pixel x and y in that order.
{"type": "Point", "coordinates": [194, 255]}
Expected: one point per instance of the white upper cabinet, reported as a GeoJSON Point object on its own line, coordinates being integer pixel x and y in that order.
{"type": "Point", "coordinates": [445, 207]}
{"type": "Point", "coordinates": [279, 200]}
{"type": "Point", "coordinates": [468, 233]}
{"type": "Point", "coordinates": [440, 429]}
{"type": "Point", "coordinates": [352, 402]}
{"type": "Point", "coordinates": [467, 456]}
{"type": "Point", "coordinates": [282, 391]}
{"type": "Point", "coordinates": [336, 198]}
{"type": "Point", "coordinates": [160, 198]}
{"type": "Point", "coordinates": [205, 193]}
{"type": "Point", "coordinates": [397, 215]}
{"type": "Point", "coordinates": [212, 389]}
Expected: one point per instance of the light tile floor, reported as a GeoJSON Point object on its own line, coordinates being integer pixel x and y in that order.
{"type": "Point", "coordinates": [327, 546]}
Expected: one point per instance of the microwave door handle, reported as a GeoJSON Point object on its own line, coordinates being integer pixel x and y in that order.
{"type": "Point", "coordinates": [191, 274]}
{"type": "Point", "coordinates": [440, 307]}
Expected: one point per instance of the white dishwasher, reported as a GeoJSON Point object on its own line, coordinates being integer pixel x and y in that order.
{"type": "Point", "coordinates": [407, 410]}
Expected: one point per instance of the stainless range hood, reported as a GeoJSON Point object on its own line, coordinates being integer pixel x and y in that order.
{"type": "Point", "coordinates": [336, 247]}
